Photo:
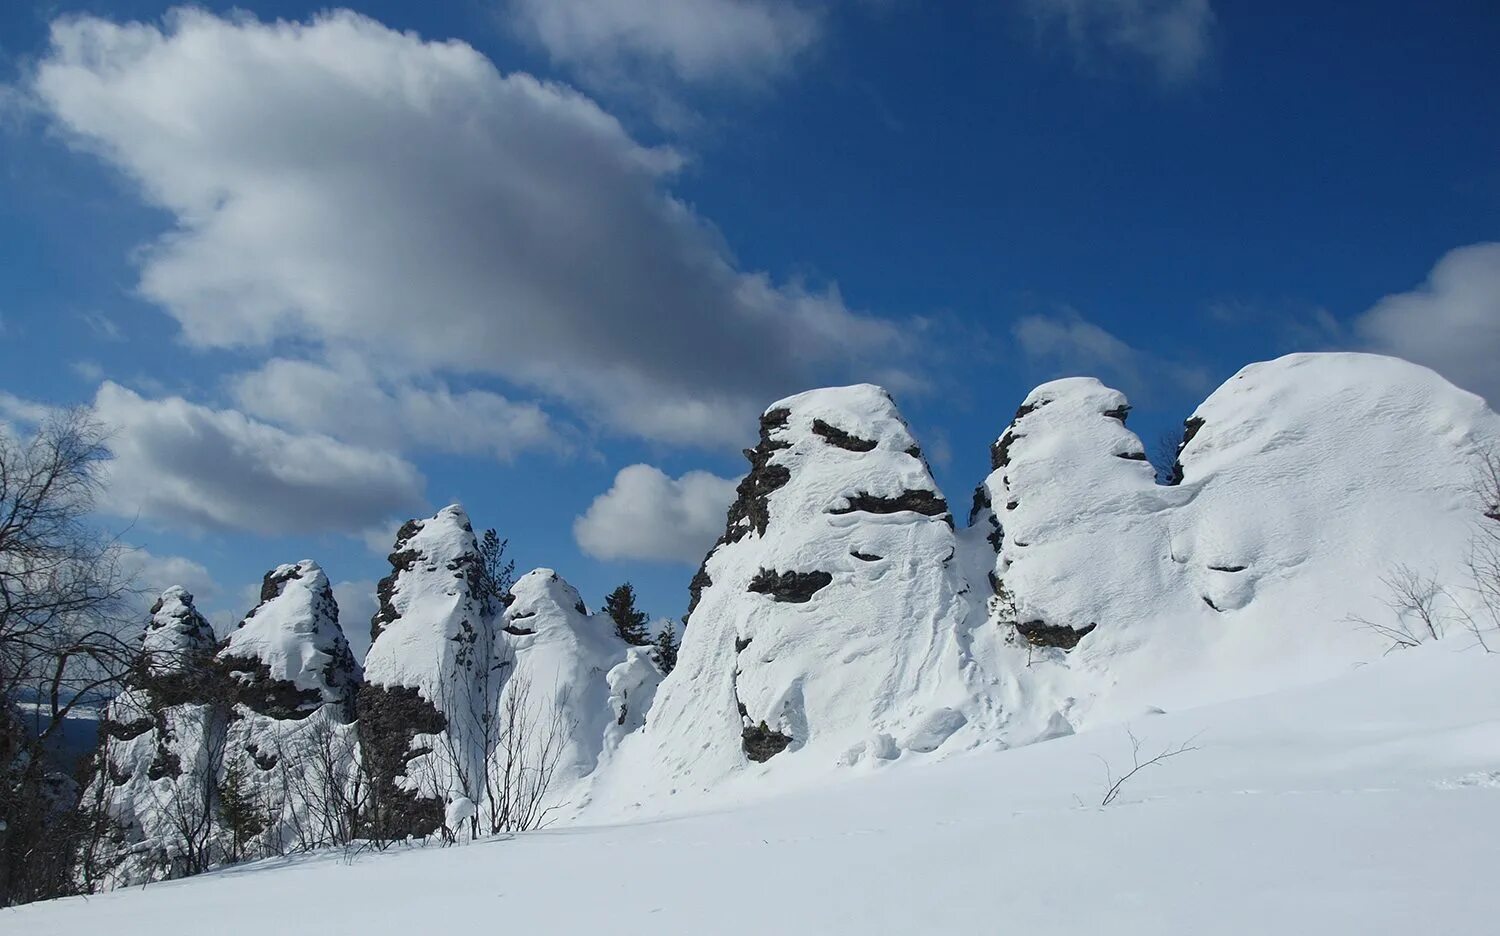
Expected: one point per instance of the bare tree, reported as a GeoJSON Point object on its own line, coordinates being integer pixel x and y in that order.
{"type": "Point", "coordinates": [1113, 784]}
{"type": "Point", "coordinates": [62, 593]}
{"type": "Point", "coordinates": [189, 805]}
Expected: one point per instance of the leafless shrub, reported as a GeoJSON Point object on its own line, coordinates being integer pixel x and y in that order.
{"type": "Point", "coordinates": [1420, 607]}
{"type": "Point", "coordinates": [1114, 784]}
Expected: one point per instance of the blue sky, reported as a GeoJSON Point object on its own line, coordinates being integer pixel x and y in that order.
{"type": "Point", "coordinates": [320, 272]}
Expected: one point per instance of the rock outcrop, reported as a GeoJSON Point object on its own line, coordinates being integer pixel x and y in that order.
{"type": "Point", "coordinates": [430, 677]}
{"type": "Point", "coordinates": [288, 657]}
{"type": "Point", "coordinates": [291, 683]}
{"type": "Point", "coordinates": [158, 739]}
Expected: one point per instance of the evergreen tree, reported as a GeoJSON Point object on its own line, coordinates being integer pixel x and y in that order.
{"type": "Point", "coordinates": [665, 653]}
{"type": "Point", "coordinates": [238, 812]}
{"type": "Point", "coordinates": [630, 624]}
{"type": "Point", "coordinates": [497, 574]}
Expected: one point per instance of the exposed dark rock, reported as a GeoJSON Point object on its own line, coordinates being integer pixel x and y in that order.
{"type": "Point", "coordinates": [124, 731]}
{"type": "Point", "coordinates": [252, 686]}
{"type": "Point", "coordinates": [838, 438]}
{"type": "Point", "coordinates": [389, 718]}
{"type": "Point", "coordinates": [915, 451]}
{"type": "Point", "coordinates": [1190, 428]}
{"type": "Point", "coordinates": [1000, 451]}
{"type": "Point", "coordinates": [701, 580]}
{"type": "Point", "coordinates": [1227, 568]}
{"type": "Point", "coordinates": [1131, 456]}
{"type": "Point", "coordinates": [762, 742]}
{"type": "Point", "coordinates": [515, 631]}
{"type": "Point", "coordinates": [928, 503]}
{"type": "Point", "coordinates": [265, 760]}
{"type": "Point", "coordinates": [740, 643]}
{"type": "Point", "coordinates": [1119, 412]}
{"type": "Point", "coordinates": [981, 503]}
{"type": "Point", "coordinates": [1210, 602]}
{"type": "Point", "coordinates": [789, 586]}
{"type": "Point", "coordinates": [750, 510]}
{"type": "Point", "coordinates": [865, 557]}
{"type": "Point", "coordinates": [1042, 634]}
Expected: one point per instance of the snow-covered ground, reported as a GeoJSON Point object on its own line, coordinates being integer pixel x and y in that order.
{"type": "Point", "coordinates": [1365, 804]}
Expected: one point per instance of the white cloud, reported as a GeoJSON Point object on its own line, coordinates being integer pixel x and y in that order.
{"type": "Point", "coordinates": [1068, 344]}
{"type": "Point", "coordinates": [647, 515]}
{"type": "Point", "coordinates": [1450, 323]}
{"type": "Point", "coordinates": [1174, 37]}
{"type": "Point", "coordinates": [347, 402]}
{"type": "Point", "coordinates": [154, 574]}
{"type": "Point", "coordinates": [356, 600]}
{"type": "Point", "coordinates": [87, 371]}
{"type": "Point", "coordinates": [345, 186]}
{"type": "Point", "coordinates": [188, 465]}
{"type": "Point", "coordinates": [695, 41]}
{"type": "Point", "coordinates": [25, 412]}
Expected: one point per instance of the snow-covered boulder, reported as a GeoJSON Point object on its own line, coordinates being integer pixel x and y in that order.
{"type": "Point", "coordinates": [1302, 482]}
{"type": "Point", "coordinates": [429, 674]}
{"type": "Point", "coordinates": [828, 623]}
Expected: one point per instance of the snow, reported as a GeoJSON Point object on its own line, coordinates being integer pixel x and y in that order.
{"type": "Point", "coordinates": [1355, 805]}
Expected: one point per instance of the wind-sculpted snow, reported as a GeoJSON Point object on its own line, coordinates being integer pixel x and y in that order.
{"type": "Point", "coordinates": [1304, 481]}
{"type": "Point", "coordinates": [556, 662]}
{"type": "Point", "coordinates": [832, 626]}
{"type": "Point", "coordinates": [429, 682]}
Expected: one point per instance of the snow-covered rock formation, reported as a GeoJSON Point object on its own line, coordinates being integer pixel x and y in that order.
{"type": "Point", "coordinates": [1301, 483]}
{"type": "Point", "coordinates": [291, 683]}
{"type": "Point", "coordinates": [158, 739]}
{"type": "Point", "coordinates": [829, 623]}
{"type": "Point", "coordinates": [288, 657]}
{"type": "Point", "coordinates": [556, 658]}
{"type": "Point", "coordinates": [430, 676]}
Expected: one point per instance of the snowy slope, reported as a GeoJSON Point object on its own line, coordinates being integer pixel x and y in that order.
{"type": "Point", "coordinates": [1362, 805]}
{"type": "Point", "coordinates": [1305, 481]}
